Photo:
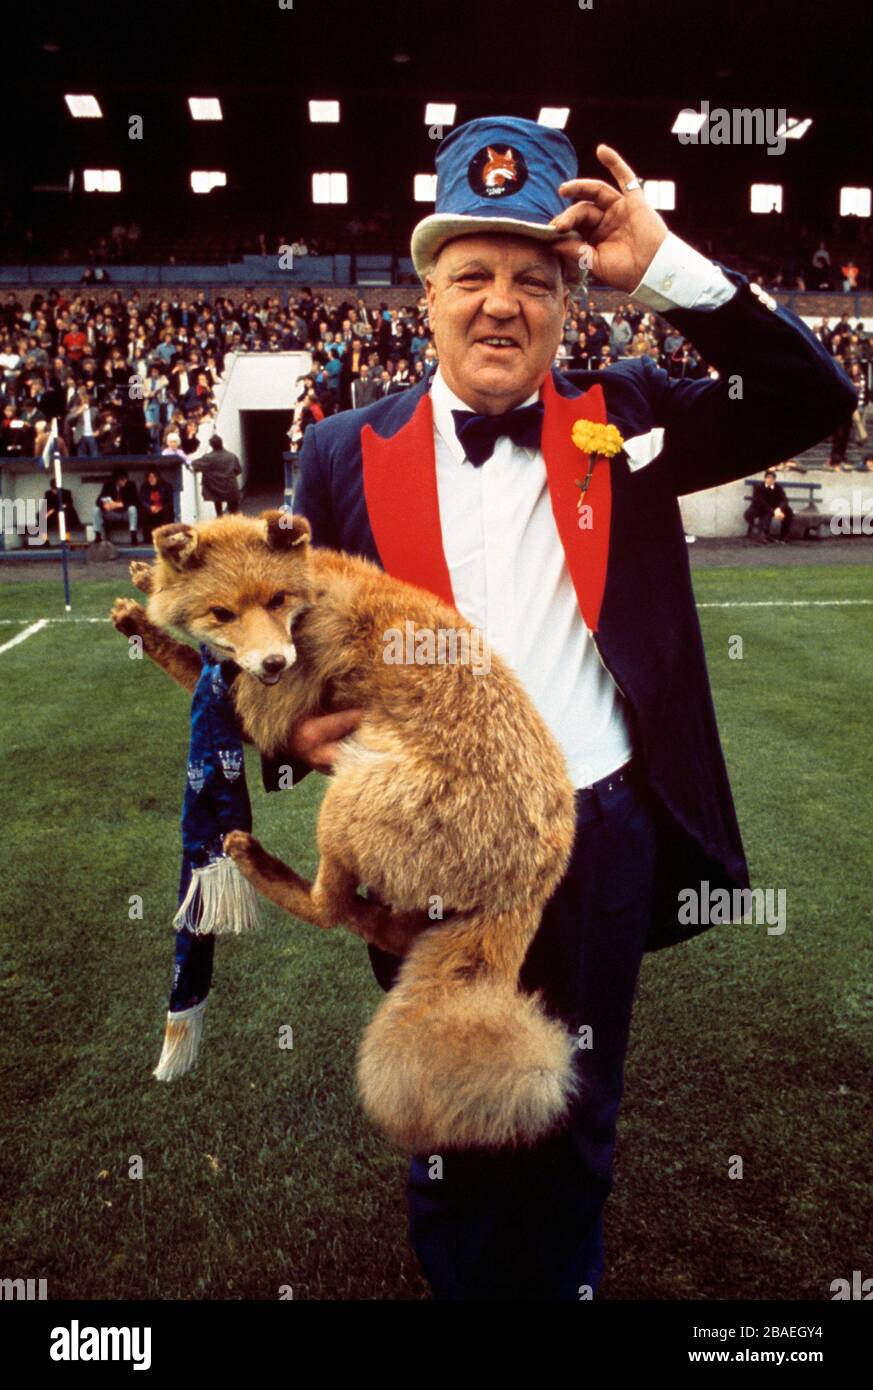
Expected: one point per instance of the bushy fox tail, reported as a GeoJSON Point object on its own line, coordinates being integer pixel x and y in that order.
{"type": "Point", "coordinates": [457, 1056]}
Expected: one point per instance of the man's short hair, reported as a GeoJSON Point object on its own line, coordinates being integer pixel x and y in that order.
{"type": "Point", "coordinates": [216, 442]}
{"type": "Point", "coordinates": [770, 473]}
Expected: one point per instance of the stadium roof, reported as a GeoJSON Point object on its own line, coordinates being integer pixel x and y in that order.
{"type": "Point", "coordinates": [624, 68]}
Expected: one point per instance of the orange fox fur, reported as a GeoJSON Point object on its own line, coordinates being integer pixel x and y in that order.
{"type": "Point", "coordinates": [451, 786]}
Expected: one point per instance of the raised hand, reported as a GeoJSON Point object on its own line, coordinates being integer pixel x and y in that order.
{"type": "Point", "coordinates": [619, 226]}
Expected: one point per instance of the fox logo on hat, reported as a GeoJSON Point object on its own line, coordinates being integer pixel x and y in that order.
{"type": "Point", "coordinates": [499, 168]}
{"type": "Point", "coordinates": [496, 159]}
{"type": "Point", "coordinates": [496, 173]}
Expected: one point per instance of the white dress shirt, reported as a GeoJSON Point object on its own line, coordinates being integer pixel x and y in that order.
{"type": "Point", "coordinates": [506, 562]}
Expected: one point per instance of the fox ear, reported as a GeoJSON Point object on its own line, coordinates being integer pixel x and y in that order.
{"type": "Point", "coordinates": [177, 544]}
{"type": "Point", "coordinates": [285, 531]}
{"type": "Point", "coordinates": [491, 154]}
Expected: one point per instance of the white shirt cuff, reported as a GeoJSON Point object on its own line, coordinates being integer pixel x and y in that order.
{"type": "Point", "coordinates": [680, 278]}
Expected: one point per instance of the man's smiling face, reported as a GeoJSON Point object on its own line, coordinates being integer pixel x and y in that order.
{"type": "Point", "coordinates": [496, 305]}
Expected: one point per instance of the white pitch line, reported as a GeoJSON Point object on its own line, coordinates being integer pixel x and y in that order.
{"type": "Point", "coordinates": [37, 623]}
{"type": "Point", "coordinates": [791, 603]}
{"type": "Point", "coordinates": [12, 622]}
{"type": "Point", "coordinates": [23, 636]}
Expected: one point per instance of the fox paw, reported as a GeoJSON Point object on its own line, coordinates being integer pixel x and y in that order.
{"type": "Point", "coordinates": [245, 851]}
{"type": "Point", "coordinates": [141, 575]}
{"type": "Point", "coordinates": [128, 616]}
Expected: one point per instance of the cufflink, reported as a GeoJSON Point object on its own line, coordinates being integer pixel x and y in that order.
{"type": "Point", "coordinates": [766, 299]}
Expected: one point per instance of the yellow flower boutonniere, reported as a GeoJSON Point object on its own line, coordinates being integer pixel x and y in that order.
{"type": "Point", "coordinates": [597, 441]}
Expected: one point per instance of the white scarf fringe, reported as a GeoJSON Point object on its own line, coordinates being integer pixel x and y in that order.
{"type": "Point", "coordinates": [228, 902]}
{"type": "Point", "coordinates": [181, 1043]}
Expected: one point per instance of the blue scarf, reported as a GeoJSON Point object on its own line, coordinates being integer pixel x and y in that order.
{"type": "Point", "coordinates": [213, 895]}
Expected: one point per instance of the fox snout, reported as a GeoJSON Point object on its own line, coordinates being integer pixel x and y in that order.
{"type": "Point", "coordinates": [273, 666]}
{"type": "Point", "coordinates": [268, 667]}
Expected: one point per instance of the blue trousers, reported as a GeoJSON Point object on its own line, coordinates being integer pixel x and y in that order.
{"type": "Point", "coordinates": [527, 1223]}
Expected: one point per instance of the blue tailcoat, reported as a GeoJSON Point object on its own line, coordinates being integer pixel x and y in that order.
{"type": "Point", "coordinates": [790, 395]}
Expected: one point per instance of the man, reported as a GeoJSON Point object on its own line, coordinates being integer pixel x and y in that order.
{"type": "Point", "coordinates": [596, 343]}
{"type": "Point", "coordinates": [81, 421]}
{"type": "Point", "coordinates": [364, 390]}
{"type": "Point", "coordinates": [220, 469]}
{"type": "Point", "coordinates": [469, 484]}
{"type": "Point", "coordinates": [55, 499]}
{"type": "Point", "coordinates": [768, 503]}
{"type": "Point", "coordinates": [352, 367]}
{"type": "Point", "coordinates": [117, 501]}
{"type": "Point", "coordinates": [620, 335]}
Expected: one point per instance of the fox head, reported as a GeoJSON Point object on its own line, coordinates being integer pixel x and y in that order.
{"type": "Point", "coordinates": [236, 584]}
{"type": "Point", "coordinates": [499, 168]}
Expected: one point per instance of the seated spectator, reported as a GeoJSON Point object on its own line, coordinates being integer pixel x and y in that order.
{"type": "Point", "coordinates": [641, 345]}
{"type": "Point", "coordinates": [41, 437]}
{"type": "Point", "coordinates": [420, 341]}
{"type": "Point", "coordinates": [116, 504]}
{"type": "Point", "coordinates": [75, 342]}
{"type": "Point", "coordinates": [190, 443]}
{"type": "Point", "coordinates": [850, 272]}
{"type": "Point", "coordinates": [402, 377]}
{"type": "Point", "coordinates": [429, 358]}
{"type": "Point", "coordinates": [769, 503]}
{"type": "Point", "coordinates": [15, 437]}
{"type": "Point", "coordinates": [29, 412]}
{"type": "Point", "coordinates": [198, 394]}
{"type": "Point", "coordinates": [54, 498]}
{"type": "Point", "coordinates": [596, 339]}
{"type": "Point", "coordinates": [109, 433]}
{"type": "Point", "coordinates": [155, 504]}
{"type": "Point", "coordinates": [672, 342]}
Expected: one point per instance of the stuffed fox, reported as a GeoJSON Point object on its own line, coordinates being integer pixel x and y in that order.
{"type": "Point", "coordinates": [451, 792]}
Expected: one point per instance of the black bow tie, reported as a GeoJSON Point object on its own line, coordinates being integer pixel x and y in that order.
{"type": "Point", "coordinates": [479, 433]}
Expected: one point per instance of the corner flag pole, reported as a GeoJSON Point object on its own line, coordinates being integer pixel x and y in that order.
{"type": "Point", "coordinates": [52, 455]}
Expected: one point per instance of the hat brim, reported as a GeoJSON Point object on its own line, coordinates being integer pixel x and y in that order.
{"type": "Point", "coordinates": [432, 233]}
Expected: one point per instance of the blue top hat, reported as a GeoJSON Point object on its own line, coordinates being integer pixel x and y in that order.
{"type": "Point", "coordinates": [496, 174]}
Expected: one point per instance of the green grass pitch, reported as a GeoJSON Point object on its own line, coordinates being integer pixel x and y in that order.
{"type": "Point", "coordinates": [259, 1171]}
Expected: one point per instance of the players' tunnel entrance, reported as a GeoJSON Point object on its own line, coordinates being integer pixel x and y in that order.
{"type": "Point", "coordinates": [263, 438]}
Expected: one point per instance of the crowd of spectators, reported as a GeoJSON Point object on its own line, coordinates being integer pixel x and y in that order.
{"type": "Point", "coordinates": [121, 375]}
{"type": "Point", "coordinates": [854, 351]}
{"type": "Point", "coordinates": [784, 252]}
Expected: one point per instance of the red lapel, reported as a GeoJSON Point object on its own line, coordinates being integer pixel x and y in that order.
{"type": "Point", "coordinates": [400, 489]}
{"type": "Point", "coordinates": [586, 551]}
